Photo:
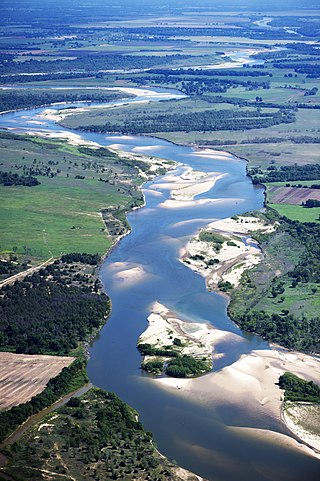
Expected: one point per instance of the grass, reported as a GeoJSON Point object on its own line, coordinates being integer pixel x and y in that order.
{"type": "Point", "coordinates": [281, 254]}
{"type": "Point", "coordinates": [299, 300]}
{"type": "Point", "coordinates": [292, 183]}
{"type": "Point", "coordinates": [54, 218]}
{"type": "Point", "coordinates": [297, 212]}
{"type": "Point", "coordinates": [63, 214]}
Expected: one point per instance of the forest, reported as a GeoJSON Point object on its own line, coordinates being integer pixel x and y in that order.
{"type": "Point", "coordinates": [87, 63]}
{"type": "Point", "coordinates": [20, 99]}
{"type": "Point", "coordinates": [44, 314]}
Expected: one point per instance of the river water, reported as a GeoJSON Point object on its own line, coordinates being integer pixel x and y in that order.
{"type": "Point", "coordinates": [198, 435]}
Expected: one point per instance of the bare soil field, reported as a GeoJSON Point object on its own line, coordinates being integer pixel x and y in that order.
{"type": "Point", "coordinates": [292, 195]}
{"type": "Point", "coordinates": [23, 376]}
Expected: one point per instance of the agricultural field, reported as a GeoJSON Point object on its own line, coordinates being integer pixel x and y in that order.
{"type": "Point", "coordinates": [23, 376]}
{"type": "Point", "coordinates": [291, 195]}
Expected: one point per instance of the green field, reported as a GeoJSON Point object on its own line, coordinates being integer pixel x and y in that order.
{"type": "Point", "coordinates": [63, 213]}
{"type": "Point", "coordinates": [297, 212]}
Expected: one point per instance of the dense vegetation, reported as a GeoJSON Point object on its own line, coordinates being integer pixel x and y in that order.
{"type": "Point", "coordinates": [186, 366]}
{"type": "Point", "coordinates": [8, 179]}
{"type": "Point", "coordinates": [285, 173]}
{"type": "Point", "coordinates": [180, 366]}
{"type": "Point", "coordinates": [69, 379]}
{"type": "Point", "coordinates": [84, 258]}
{"type": "Point", "coordinates": [91, 438]}
{"type": "Point", "coordinates": [21, 99]}
{"type": "Point", "coordinates": [263, 287]}
{"type": "Point", "coordinates": [44, 314]}
{"type": "Point", "coordinates": [90, 64]}
{"type": "Point", "coordinates": [209, 120]}
{"type": "Point", "coordinates": [297, 389]}
{"type": "Point", "coordinates": [148, 350]}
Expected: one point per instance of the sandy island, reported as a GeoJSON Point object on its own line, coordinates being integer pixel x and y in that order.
{"type": "Point", "coordinates": [237, 253]}
{"type": "Point", "coordinates": [251, 382]}
{"type": "Point", "coordinates": [198, 339]}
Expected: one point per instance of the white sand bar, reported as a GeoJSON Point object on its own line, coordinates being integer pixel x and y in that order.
{"type": "Point", "coordinates": [238, 253]}
{"type": "Point", "coordinates": [198, 339]}
{"type": "Point", "coordinates": [251, 382]}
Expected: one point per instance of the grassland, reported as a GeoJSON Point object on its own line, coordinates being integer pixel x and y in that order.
{"type": "Point", "coordinates": [64, 213]}
{"type": "Point", "coordinates": [297, 212]}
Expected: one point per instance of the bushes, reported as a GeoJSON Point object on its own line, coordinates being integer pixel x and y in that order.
{"type": "Point", "coordinates": [9, 179]}
{"type": "Point", "coordinates": [148, 350]}
{"type": "Point", "coordinates": [296, 389]}
{"type": "Point", "coordinates": [154, 367]}
{"type": "Point", "coordinates": [186, 366]}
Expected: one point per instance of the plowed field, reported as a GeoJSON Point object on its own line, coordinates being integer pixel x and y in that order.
{"type": "Point", "coordinates": [292, 195]}
{"type": "Point", "coordinates": [23, 376]}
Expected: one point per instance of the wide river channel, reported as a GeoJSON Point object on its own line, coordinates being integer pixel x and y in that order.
{"type": "Point", "coordinates": [198, 435]}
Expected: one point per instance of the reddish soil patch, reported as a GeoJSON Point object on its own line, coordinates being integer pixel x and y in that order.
{"type": "Point", "coordinates": [23, 376]}
{"type": "Point", "coordinates": [292, 195]}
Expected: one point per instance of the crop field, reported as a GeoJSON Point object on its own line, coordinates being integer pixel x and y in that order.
{"type": "Point", "coordinates": [23, 376]}
{"type": "Point", "coordinates": [292, 195]}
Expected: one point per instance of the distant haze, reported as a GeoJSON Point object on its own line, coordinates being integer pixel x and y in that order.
{"type": "Point", "coordinates": [52, 9]}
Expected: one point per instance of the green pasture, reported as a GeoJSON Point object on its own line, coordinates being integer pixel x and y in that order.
{"type": "Point", "coordinates": [54, 217]}
{"type": "Point", "coordinates": [297, 212]}
{"type": "Point", "coordinates": [301, 300]}
{"type": "Point", "coordinates": [63, 213]}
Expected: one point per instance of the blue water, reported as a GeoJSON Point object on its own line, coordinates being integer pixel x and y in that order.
{"type": "Point", "coordinates": [196, 435]}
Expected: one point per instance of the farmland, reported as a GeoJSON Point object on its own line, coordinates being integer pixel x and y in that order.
{"type": "Point", "coordinates": [23, 376]}
{"type": "Point", "coordinates": [292, 195]}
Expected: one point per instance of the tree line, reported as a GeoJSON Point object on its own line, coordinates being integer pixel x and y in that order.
{"type": "Point", "coordinates": [208, 120]}
{"type": "Point", "coordinates": [21, 99]}
{"type": "Point", "coordinates": [285, 173]}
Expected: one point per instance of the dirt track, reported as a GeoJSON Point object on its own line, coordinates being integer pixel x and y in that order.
{"type": "Point", "coordinates": [23, 274]}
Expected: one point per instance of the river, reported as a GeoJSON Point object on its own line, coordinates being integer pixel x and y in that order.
{"type": "Point", "coordinates": [198, 435]}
